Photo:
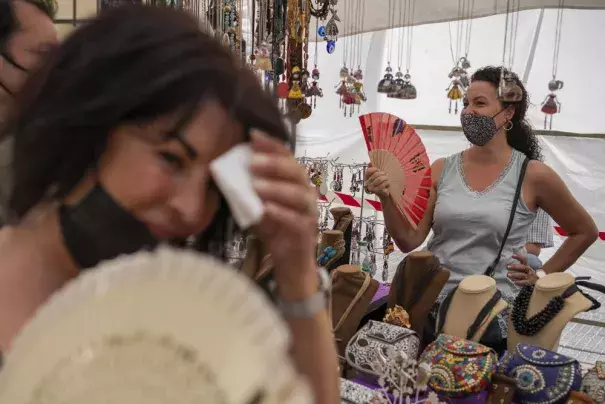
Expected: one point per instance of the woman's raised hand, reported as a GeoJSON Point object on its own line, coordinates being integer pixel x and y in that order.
{"type": "Point", "coordinates": [376, 182]}
{"type": "Point", "coordinates": [289, 225]}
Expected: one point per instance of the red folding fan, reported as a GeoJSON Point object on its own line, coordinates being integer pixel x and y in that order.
{"type": "Point", "coordinates": [395, 148]}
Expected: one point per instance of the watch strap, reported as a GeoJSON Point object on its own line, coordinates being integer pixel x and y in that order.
{"type": "Point", "coordinates": [310, 307]}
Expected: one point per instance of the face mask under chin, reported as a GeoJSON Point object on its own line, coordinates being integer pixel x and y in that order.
{"type": "Point", "coordinates": [479, 129]}
{"type": "Point", "coordinates": [98, 229]}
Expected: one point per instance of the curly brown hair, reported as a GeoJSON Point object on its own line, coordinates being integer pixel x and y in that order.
{"type": "Point", "coordinates": [521, 136]}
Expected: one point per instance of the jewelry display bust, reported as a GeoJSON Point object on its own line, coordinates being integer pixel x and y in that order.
{"type": "Point", "coordinates": [472, 295]}
{"type": "Point", "coordinates": [351, 291]}
{"type": "Point", "coordinates": [547, 288]}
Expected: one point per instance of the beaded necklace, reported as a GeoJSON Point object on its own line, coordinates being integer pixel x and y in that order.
{"type": "Point", "coordinates": [531, 326]}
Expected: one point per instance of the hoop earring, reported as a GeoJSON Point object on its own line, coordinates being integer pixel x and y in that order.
{"type": "Point", "coordinates": [508, 126]}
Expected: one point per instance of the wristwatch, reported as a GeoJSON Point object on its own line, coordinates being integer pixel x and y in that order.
{"type": "Point", "coordinates": [310, 307]}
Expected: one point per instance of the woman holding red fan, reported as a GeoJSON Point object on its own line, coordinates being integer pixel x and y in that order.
{"type": "Point", "coordinates": [473, 192]}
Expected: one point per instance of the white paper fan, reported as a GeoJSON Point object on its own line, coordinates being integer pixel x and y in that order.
{"type": "Point", "coordinates": [165, 327]}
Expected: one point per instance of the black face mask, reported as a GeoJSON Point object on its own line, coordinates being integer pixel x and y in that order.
{"type": "Point", "coordinates": [16, 65]}
{"type": "Point", "coordinates": [98, 229]}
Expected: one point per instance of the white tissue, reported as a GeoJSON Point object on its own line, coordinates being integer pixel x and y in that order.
{"type": "Point", "coordinates": [231, 172]}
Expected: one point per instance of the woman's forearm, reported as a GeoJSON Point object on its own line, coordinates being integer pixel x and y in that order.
{"type": "Point", "coordinates": [314, 353]}
{"type": "Point", "coordinates": [400, 230]}
{"type": "Point", "coordinates": [569, 252]}
{"type": "Point", "coordinates": [313, 345]}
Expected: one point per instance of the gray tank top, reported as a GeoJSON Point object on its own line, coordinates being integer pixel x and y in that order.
{"type": "Point", "coordinates": [468, 226]}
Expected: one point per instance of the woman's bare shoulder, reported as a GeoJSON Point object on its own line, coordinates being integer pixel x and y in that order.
{"type": "Point", "coordinates": [437, 169]}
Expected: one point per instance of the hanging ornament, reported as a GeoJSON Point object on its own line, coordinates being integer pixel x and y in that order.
{"type": "Point", "coordinates": [331, 29]}
{"type": "Point", "coordinates": [509, 90]}
{"type": "Point", "coordinates": [402, 88]}
{"type": "Point", "coordinates": [386, 85]}
{"type": "Point", "coordinates": [407, 90]}
{"type": "Point", "coordinates": [455, 94]}
{"type": "Point", "coordinates": [551, 105]}
{"type": "Point", "coordinates": [321, 31]}
{"type": "Point", "coordinates": [263, 60]}
{"type": "Point", "coordinates": [295, 92]}
{"type": "Point", "coordinates": [330, 47]}
{"type": "Point", "coordinates": [387, 248]}
{"type": "Point", "coordinates": [315, 73]}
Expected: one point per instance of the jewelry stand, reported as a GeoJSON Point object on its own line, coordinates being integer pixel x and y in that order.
{"type": "Point", "coordinates": [334, 239]}
{"type": "Point", "coordinates": [350, 294]}
{"type": "Point", "coordinates": [547, 288]}
{"type": "Point", "coordinates": [416, 286]}
{"type": "Point", "coordinates": [472, 295]}
{"type": "Point", "coordinates": [343, 219]}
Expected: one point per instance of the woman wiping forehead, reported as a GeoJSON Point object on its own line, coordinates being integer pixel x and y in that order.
{"type": "Point", "coordinates": [113, 141]}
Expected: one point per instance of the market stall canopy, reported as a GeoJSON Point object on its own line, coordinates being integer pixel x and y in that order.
{"type": "Point", "coordinates": [433, 11]}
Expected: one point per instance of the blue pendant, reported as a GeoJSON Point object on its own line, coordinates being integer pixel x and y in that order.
{"type": "Point", "coordinates": [321, 31]}
{"type": "Point", "coordinates": [331, 47]}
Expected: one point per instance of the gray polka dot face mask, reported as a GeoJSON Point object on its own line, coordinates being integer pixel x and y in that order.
{"type": "Point", "coordinates": [479, 129]}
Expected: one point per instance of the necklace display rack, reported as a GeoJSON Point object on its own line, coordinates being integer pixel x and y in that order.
{"type": "Point", "coordinates": [328, 175]}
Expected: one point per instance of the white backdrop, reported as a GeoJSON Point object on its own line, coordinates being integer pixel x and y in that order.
{"type": "Point", "coordinates": [579, 161]}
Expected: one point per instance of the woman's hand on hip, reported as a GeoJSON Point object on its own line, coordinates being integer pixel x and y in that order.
{"type": "Point", "coordinates": [522, 274]}
{"type": "Point", "coordinates": [376, 182]}
{"type": "Point", "coordinates": [289, 225]}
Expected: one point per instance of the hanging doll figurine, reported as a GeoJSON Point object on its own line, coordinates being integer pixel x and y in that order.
{"type": "Point", "coordinates": [314, 91]}
{"type": "Point", "coordinates": [551, 105]}
{"type": "Point", "coordinates": [304, 81]}
{"type": "Point", "coordinates": [409, 90]}
{"type": "Point", "coordinates": [455, 94]}
{"type": "Point", "coordinates": [386, 85]}
{"type": "Point", "coordinates": [295, 92]}
{"type": "Point", "coordinates": [263, 61]}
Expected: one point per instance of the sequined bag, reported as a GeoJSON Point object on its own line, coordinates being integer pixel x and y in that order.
{"type": "Point", "coordinates": [543, 377]}
{"type": "Point", "coordinates": [353, 393]}
{"type": "Point", "coordinates": [375, 337]}
{"type": "Point", "coordinates": [459, 368]}
{"type": "Point", "coordinates": [594, 383]}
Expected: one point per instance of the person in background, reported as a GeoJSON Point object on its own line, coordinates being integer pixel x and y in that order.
{"type": "Point", "coordinates": [27, 33]}
{"type": "Point", "coordinates": [539, 236]}
{"type": "Point", "coordinates": [472, 192]}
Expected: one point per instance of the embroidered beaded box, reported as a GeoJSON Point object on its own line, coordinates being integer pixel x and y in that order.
{"type": "Point", "coordinates": [543, 377]}
{"type": "Point", "coordinates": [459, 368]}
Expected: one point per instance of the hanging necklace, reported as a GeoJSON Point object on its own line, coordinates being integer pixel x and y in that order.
{"type": "Point", "coordinates": [508, 89]}
{"type": "Point", "coordinates": [532, 326]}
{"type": "Point", "coordinates": [459, 80]}
{"type": "Point", "coordinates": [550, 105]}
{"type": "Point", "coordinates": [386, 85]}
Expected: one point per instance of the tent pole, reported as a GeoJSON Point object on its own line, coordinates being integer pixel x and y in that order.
{"type": "Point", "coordinates": [534, 46]}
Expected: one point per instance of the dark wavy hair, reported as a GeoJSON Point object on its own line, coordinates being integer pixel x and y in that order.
{"type": "Point", "coordinates": [521, 136]}
{"type": "Point", "coordinates": [129, 65]}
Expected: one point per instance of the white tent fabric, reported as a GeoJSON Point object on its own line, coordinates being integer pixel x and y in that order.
{"type": "Point", "coordinates": [376, 16]}
{"type": "Point", "coordinates": [579, 161]}
{"type": "Point", "coordinates": [580, 66]}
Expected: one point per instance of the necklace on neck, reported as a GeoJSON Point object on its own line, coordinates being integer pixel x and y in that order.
{"type": "Point", "coordinates": [533, 325]}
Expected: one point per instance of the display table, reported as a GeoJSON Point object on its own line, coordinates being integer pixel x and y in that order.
{"type": "Point", "coordinates": [380, 297]}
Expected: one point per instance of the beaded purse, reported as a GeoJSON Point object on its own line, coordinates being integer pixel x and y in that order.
{"type": "Point", "coordinates": [543, 377]}
{"type": "Point", "coordinates": [377, 338]}
{"type": "Point", "coordinates": [594, 383]}
{"type": "Point", "coordinates": [459, 368]}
